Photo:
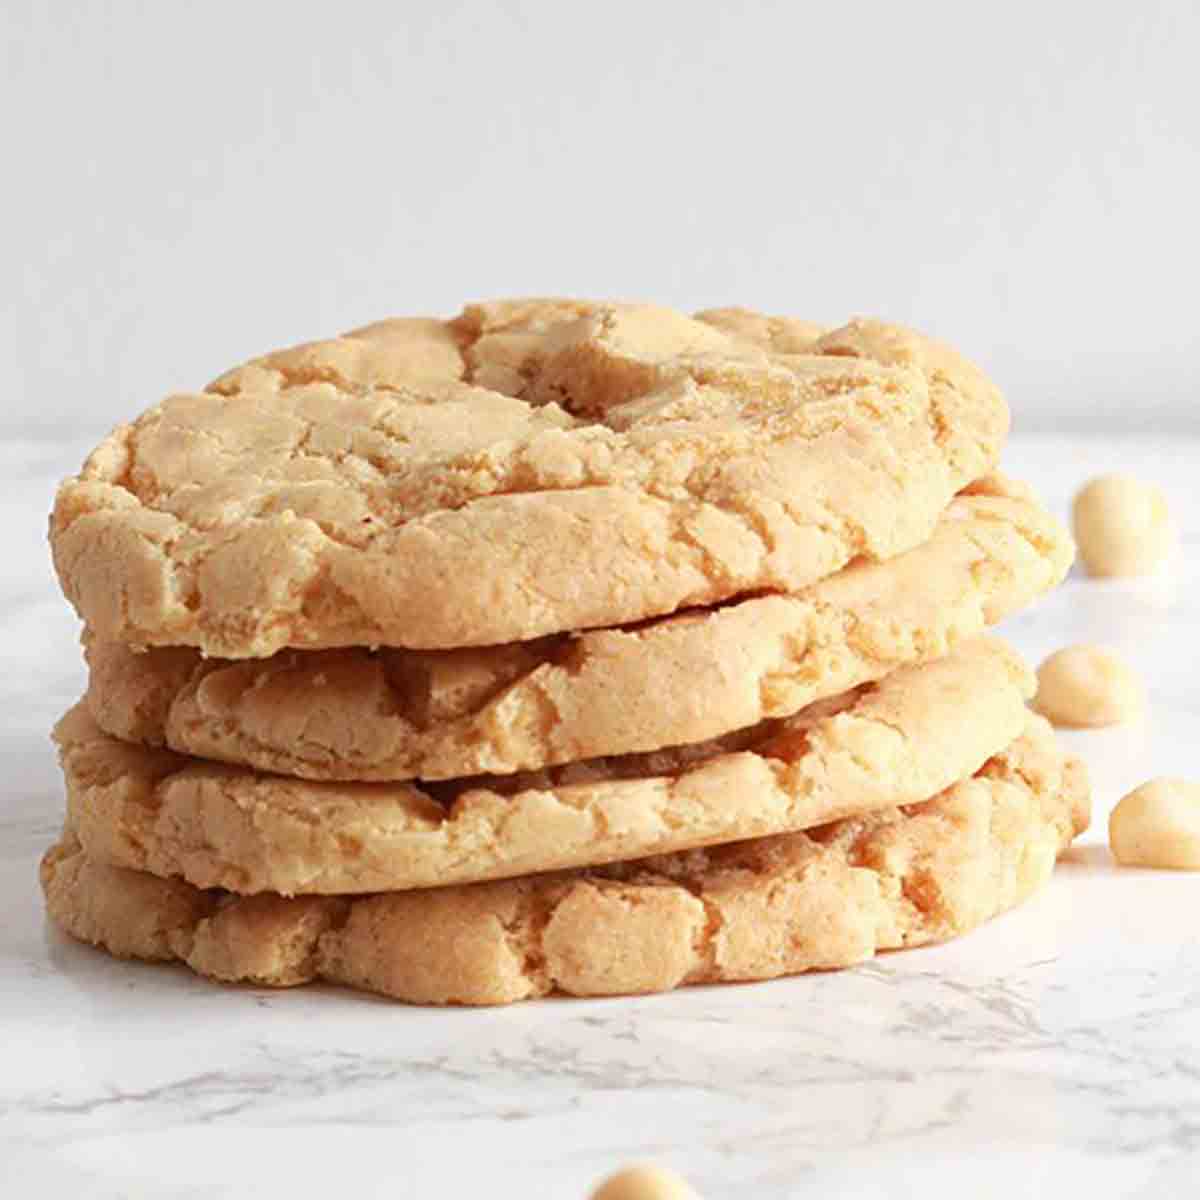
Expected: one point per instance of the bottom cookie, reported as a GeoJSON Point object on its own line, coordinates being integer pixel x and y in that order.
{"type": "Point", "coordinates": [830, 897]}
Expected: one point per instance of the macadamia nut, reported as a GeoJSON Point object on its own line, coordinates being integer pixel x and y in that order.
{"type": "Point", "coordinates": [1158, 825]}
{"type": "Point", "coordinates": [1121, 526]}
{"type": "Point", "coordinates": [644, 1183]}
{"type": "Point", "coordinates": [1083, 686]}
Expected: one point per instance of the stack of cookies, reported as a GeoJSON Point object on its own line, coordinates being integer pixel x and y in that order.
{"type": "Point", "coordinates": [563, 646]}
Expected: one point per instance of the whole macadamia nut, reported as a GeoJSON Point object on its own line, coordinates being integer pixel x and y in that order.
{"type": "Point", "coordinates": [1082, 686]}
{"type": "Point", "coordinates": [1158, 825]}
{"type": "Point", "coordinates": [644, 1183]}
{"type": "Point", "coordinates": [1121, 526]}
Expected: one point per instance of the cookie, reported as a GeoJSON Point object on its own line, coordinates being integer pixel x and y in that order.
{"type": "Point", "coordinates": [894, 742]}
{"type": "Point", "coordinates": [400, 714]}
{"type": "Point", "coordinates": [529, 468]}
{"type": "Point", "coordinates": [897, 877]}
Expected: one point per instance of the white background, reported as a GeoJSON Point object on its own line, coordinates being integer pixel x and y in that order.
{"type": "Point", "coordinates": [185, 185]}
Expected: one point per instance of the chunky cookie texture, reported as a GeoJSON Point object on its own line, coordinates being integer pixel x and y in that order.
{"type": "Point", "coordinates": [529, 468]}
{"type": "Point", "coordinates": [898, 741]}
{"type": "Point", "coordinates": [353, 714]}
{"type": "Point", "coordinates": [896, 877]}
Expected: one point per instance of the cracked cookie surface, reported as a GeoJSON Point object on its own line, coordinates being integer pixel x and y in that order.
{"type": "Point", "coordinates": [529, 468]}
{"type": "Point", "coordinates": [352, 714]}
{"type": "Point", "coordinates": [831, 897]}
{"type": "Point", "coordinates": [898, 741]}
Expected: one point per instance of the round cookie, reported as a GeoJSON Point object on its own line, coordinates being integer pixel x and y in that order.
{"type": "Point", "coordinates": [751, 910]}
{"type": "Point", "coordinates": [529, 468]}
{"type": "Point", "coordinates": [898, 741]}
{"type": "Point", "coordinates": [399, 714]}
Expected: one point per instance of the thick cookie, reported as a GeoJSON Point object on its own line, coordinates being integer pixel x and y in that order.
{"type": "Point", "coordinates": [899, 741]}
{"type": "Point", "coordinates": [753, 910]}
{"type": "Point", "coordinates": [527, 469]}
{"type": "Point", "coordinates": [399, 714]}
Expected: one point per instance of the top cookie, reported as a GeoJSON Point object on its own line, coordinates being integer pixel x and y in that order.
{"type": "Point", "coordinates": [530, 467]}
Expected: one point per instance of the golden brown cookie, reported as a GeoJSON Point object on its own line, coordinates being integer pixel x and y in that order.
{"type": "Point", "coordinates": [399, 714]}
{"type": "Point", "coordinates": [529, 468]}
{"type": "Point", "coordinates": [752, 910]}
{"type": "Point", "coordinates": [894, 742]}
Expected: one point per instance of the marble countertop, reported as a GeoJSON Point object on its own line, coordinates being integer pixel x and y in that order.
{"type": "Point", "coordinates": [1054, 1052]}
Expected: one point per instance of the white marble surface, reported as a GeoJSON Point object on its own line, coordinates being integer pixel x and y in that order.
{"type": "Point", "coordinates": [1055, 1052]}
